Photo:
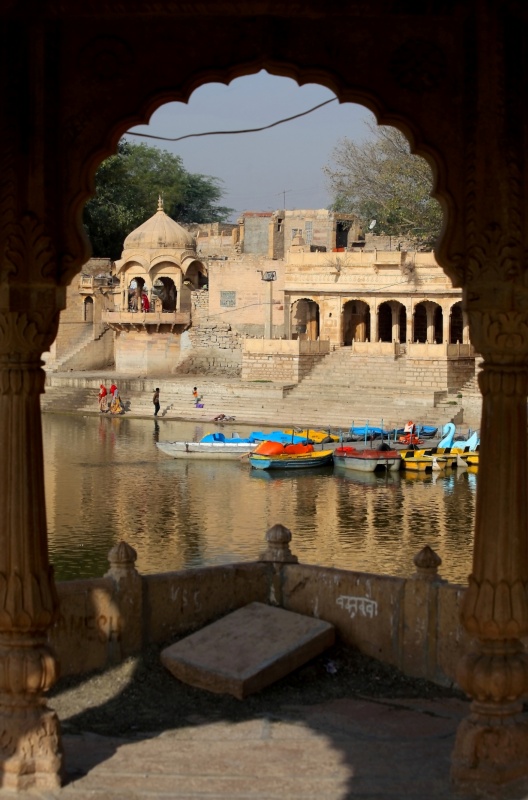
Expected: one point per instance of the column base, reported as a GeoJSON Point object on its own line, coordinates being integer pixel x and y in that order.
{"type": "Point", "coordinates": [30, 749]}
{"type": "Point", "coordinates": [491, 755]}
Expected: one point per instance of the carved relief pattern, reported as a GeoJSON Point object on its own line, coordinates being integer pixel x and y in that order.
{"type": "Point", "coordinates": [500, 337]}
{"type": "Point", "coordinates": [492, 255]}
{"type": "Point", "coordinates": [104, 56]}
{"type": "Point", "coordinates": [418, 65]}
{"type": "Point", "coordinates": [27, 601]}
{"type": "Point", "coordinates": [30, 250]}
{"type": "Point", "coordinates": [496, 610]}
{"type": "Point", "coordinates": [496, 673]}
{"type": "Point", "coordinates": [7, 207]}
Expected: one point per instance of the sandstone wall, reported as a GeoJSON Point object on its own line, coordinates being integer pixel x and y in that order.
{"type": "Point", "coordinates": [411, 623]}
{"type": "Point", "coordinates": [139, 353]}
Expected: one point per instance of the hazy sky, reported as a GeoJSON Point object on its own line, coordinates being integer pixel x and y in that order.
{"type": "Point", "coordinates": [261, 170]}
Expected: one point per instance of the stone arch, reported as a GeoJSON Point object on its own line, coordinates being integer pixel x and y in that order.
{"type": "Point", "coordinates": [453, 104]}
{"type": "Point", "coordinates": [428, 322]}
{"type": "Point", "coordinates": [305, 319]}
{"type": "Point", "coordinates": [392, 321]}
{"type": "Point", "coordinates": [456, 323]}
{"type": "Point", "coordinates": [88, 309]}
{"type": "Point", "coordinates": [138, 107]}
{"type": "Point", "coordinates": [164, 294]}
{"type": "Point", "coordinates": [356, 322]}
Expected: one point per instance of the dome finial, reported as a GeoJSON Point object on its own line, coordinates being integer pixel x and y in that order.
{"type": "Point", "coordinates": [160, 203]}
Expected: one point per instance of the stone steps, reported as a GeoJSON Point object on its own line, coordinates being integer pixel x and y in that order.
{"type": "Point", "coordinates": [261, 404]}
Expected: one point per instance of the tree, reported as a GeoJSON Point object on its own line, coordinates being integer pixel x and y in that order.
{"type": "Point", "coordinates": [127, 189]}
{"type": "Point", "coordinates": [381, 180]}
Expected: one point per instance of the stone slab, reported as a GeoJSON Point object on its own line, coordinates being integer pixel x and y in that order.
{"type": "Point", "coordinates": [247, 650]}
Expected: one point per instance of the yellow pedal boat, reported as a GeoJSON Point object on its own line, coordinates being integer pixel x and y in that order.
{"type": "Point", "coordinates": [422, 463]}
{"type": "Point", "coordinates": [317, 437]}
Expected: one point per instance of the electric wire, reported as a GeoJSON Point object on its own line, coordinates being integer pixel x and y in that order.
{"type": "Point", "coordinates": [229, 133]}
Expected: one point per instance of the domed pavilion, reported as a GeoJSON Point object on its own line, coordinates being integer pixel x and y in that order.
{"type": "Point", "coordinates": [157, 272]}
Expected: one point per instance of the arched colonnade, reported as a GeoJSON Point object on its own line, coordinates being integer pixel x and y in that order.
{"type": "Point", "coordinates": [365, 319]}
{"type": "Point", "coordinates": [453, 77]}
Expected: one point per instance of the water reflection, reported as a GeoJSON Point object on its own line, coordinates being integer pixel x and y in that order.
{"type": "Point", "coordinates": [106, 481]}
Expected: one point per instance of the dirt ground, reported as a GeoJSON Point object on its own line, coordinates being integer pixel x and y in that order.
{"type": "Point", "coordinates": [141, 696]}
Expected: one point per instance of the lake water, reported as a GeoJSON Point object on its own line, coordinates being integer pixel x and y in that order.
{"type": "Point", "coordinates": [106, 481]}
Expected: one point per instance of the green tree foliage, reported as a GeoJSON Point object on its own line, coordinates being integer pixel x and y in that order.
{"type": "Point", "coordinates": [381, 180]}
{"type": "Point", "coordinates": [127, 189]}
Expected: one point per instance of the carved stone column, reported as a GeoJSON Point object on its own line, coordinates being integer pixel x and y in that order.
{"type": "Point", "coordinates": [491, 748]}
{"type": "Point", "coordinates": [446, 324]}
{"type": "Point", "coordinates": [30, 751]}
{"type": "Point", "coordinates": [492, 743]}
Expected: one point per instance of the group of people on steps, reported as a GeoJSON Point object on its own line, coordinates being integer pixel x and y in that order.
{"type": "Point", "coordinates": [110, 402]}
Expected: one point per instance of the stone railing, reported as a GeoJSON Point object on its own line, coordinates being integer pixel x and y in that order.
{"type": "Point", "coordinates": [412, 623]}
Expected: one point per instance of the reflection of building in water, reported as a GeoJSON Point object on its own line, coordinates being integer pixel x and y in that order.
{"type": "Point", "coordinates": [178, 514]}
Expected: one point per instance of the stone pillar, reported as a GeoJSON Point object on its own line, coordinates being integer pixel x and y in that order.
{"type": "Point", "coordinates": [395, 311]}
{"type": "Point", "coordinates": [287, 318]}
{"type": "Point", "coordinates": [429, 310]}
{"type": "Point", "coordinates": [465, 328]}
{"type": "Point", "coordinates": [446, 325]}
{"type": "Point", "coordinates": [492, 743]}
{"type": "Point", "coordinates": [30, 749]}
{"type": "Point", "coordinates": [374, 323]}
{"type": "Point", "coordinates": [489, 262]}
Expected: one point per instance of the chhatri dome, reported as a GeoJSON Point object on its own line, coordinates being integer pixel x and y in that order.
{"type": "Point", "coordinates": [160, 231]}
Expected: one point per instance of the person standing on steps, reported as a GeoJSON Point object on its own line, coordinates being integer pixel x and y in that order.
{"type": "Point", "coordinates": [195, 395]}
{"type": "Point", "coordinates": [155, 400]}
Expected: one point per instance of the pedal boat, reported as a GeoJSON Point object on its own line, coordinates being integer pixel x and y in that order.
{"type": "Point", "coordinates": [273, 455]}
{"type": "Point", "coordinates": [366, 460]}
{"type": "Point", "coordinates": [422, 463]}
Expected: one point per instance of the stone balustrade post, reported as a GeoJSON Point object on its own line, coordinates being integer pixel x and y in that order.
{"type": "Point", "coordinates": [128, 598]}
{"type": "Point", "coordinates": [279, 538]}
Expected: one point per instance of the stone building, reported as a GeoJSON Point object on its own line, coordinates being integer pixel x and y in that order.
{"type": "Point", "coordinates": [271, 234]}
{"type": "Point", "coordinates": [83, 340]}
{"type": "Point", "coordinates": [157, 273]}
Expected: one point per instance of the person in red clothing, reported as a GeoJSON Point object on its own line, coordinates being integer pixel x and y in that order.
{"type": "Point", "coordinates": [113, 389]}
{"type": "Point", "coordinates": [103, 399]}
{"type": "Point", "coordinates": [145, 303]}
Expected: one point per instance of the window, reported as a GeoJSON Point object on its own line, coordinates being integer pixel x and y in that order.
{"type": "Point", "coordinates": [296, 232]}
{"type": "Point", "coordinates": [228, 299]}
{"type": "Point", "coordinates": [308, 231]}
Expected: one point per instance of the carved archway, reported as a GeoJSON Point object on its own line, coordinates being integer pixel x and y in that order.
{"type": "Point", "coordinates": [418, 72]}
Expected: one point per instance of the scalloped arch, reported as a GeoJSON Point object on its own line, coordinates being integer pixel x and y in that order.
{"type": "Point", "coordinates": [154, 97]}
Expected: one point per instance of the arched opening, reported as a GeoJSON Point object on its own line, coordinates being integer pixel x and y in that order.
{"type": "Point", "coordinates": [438, 320]}
{"type": "Point", "coordinates": [392, 321]}
{"type": "Point", "coordinates": [456, 324]}
{"type": "Point", "coordinates": [164, 294]}
{"type": "Point", "coordinates": [88, 309]}
{"type": "Point", "coordinates": [402, 322]}
{"type": "Point", "coordinates": [356, 322]}
{"type": "Point", "coordinates": [428, 323]}
{"type": "Point", "coordinates": [418, 82]}
{"type": "Point", "coordinates": [136, 293]}
{"type": "Point", "coordinates": [305, 320]}
{"type": "Point", "coordinates": [420, 323]}
{"type": "Point", "coordinates": [385, 322]}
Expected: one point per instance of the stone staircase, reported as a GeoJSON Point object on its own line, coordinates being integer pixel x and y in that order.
{"type": "Point", "coordinates": [341, 391]}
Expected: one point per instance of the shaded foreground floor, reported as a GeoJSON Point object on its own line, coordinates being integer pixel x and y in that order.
{"type": "Point", "coordinates": [343, 726]}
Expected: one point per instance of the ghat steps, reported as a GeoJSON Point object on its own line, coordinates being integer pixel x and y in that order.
{"type": "Point", "coordinates": [327, 398]}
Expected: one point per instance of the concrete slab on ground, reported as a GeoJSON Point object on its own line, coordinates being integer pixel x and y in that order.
{"type": "Point", "coordinates": [247, 650]}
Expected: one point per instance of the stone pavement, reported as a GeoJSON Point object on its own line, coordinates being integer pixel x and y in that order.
{"type": "Point", "coordinates": [347, 748]}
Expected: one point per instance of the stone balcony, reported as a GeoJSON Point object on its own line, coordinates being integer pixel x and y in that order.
{"type": "Point", "coordinates": [149, 321]}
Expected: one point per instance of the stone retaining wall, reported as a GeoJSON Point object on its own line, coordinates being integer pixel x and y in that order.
{"type": "Point", "coordinates": [281, 360]}
{"type": "Point", "coordinates": [411, 623]}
